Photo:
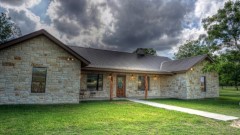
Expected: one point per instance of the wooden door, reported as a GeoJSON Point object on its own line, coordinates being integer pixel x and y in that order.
{"type": "Point", "coordinates": [121, 81]}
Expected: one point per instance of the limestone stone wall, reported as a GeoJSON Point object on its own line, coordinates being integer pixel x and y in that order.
{"type": "Point", "coordinates": [187, 85]}
{"type": "Point", "coordinates": [16, 63]}
{"type": "Point", "coordinates": [131, 86]}
{"type": "Point", "coordinates": [193, 83]}
{"type": "Point", "coordinates": [173, 86]}
{"type": "Point", "coordinates": [99, 94]}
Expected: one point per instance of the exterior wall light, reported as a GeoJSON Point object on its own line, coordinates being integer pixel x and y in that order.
{"type": "Point", "coordinates": [70, 59]}
{"type": "Point", "coordinates": [132, 77]}
{"type": "Point", "coordinates": [155, 77]}
{"type": "Point", "coordinates": [191, 69]}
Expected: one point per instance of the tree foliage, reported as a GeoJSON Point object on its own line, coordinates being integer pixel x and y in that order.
{"type": "Point", "coordinates": [228, 67]}
{"type": "Point", "coordinates": [194, 48]}
{"type": "Point", "coordinates": [223, 29]}
{"type": "Point", "coordinates": [8, 30]}
{"type": "Point", "coordinates": [225, 25]}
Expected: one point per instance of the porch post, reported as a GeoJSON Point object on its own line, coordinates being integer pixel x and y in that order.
{"type": "Point", "coordinates": [111, 87]}
{"type": "Point", "coordinates": [146, 86]}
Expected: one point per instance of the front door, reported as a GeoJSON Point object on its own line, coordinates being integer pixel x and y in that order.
{"type": "Point", "coordinates": [121, 85]}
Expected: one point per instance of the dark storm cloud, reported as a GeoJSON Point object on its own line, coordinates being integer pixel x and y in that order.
{"type": "Point", "coordinates": [22, 21]}
{"type": "Point", "coordinates": [13, 2]}
{"type": "Point", "coordinates": [68, 28]}
{"type": "Point", "coordinates": [142, 23]}
{"type": "Point", "coordinates": [80, 11]}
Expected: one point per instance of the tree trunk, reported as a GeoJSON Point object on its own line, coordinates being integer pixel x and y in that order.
{"type": "Point", "coordinates": [236, 84]}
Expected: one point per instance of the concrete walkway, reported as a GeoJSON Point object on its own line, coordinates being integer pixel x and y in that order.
{"type": "Point", "coordinates": [187, 110]}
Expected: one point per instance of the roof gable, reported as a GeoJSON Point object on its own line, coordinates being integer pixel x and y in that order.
{"type": "Point", "coordinates": [50, 37]}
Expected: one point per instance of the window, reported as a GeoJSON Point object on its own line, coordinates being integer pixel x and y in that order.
{"type": "Point", "coordinates": [141, 83]}
{"type": "Point", "coordinates": [203, 83]}
{"type": "Point", "coordinates": [39, 79]}
{"type": "Point", "coordinates": [95, 82]}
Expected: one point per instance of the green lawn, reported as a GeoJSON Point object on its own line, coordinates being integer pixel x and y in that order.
{"type": "Point", "coordinates": [227, 103]}
{"type": "Point", "coordinates": [105, 117]}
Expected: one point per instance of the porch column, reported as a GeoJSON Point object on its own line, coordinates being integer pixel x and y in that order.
{"type": "Point", "coordinates": [146, 86]}
{"type": "Point", "coordinates": [111, 87]}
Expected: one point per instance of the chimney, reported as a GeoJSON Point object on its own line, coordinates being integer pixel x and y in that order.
{"type": "Point", "coordinates": [140, 51]}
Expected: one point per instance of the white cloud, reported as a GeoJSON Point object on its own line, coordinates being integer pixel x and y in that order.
{"type": "Point", "coordinates": [19, 4]}
{"type": "Point", "coordinates": [203, 9]}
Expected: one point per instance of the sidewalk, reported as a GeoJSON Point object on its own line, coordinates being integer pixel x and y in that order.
{"type": "Point", "coordinates": [215, 116]}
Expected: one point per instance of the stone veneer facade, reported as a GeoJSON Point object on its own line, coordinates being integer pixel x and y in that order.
{"type": "Point", "coordinates": [16, 63]}
{"type": "Point", "coordinates": [63, 81]}
{"type": "Point", "coordinates": [187, 85]}
{"type": "Point", "coordinates": [182, 85]}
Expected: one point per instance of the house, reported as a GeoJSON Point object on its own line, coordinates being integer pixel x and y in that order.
{"type": "Point", "coordinates": [39, 69]}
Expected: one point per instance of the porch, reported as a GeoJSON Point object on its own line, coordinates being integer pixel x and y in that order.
{"type": "Point", "coordinates": [97, 85]}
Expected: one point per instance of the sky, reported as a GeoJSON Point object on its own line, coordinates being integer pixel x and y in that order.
{"type": "Point", "coordinates": [121, 25]}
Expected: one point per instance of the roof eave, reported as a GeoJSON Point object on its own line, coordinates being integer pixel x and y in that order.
{"type": "Point", "coordinates": [125, 71]}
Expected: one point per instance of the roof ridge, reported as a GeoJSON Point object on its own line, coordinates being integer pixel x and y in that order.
{"type": "Point", "coordinates": [115, 51]}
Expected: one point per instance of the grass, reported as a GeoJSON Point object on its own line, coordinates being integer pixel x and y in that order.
{"type": "Point", "coordinates": [227, 103]}
{"type": "Point", "coordinates": [116, 117]}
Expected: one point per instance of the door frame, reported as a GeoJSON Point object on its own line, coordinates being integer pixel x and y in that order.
{"type": "Point", "coordinates": [124, 87]}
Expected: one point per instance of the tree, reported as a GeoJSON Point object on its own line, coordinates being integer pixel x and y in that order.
{"type": "Point", "coordinates": [195, 47]}
{"type": "Point", "coordinates": [224, 26]}
{"type": "Point", "coordinates": [228, 67]}
{"type": "Point", "coordinates": [8, 29]}
{"type": "Point", "coordinates": [146, 51]}
{"type": "Point", "coordinates": [223, 29]}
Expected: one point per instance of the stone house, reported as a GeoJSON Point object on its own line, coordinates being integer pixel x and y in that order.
{"type": "Point", "coordinates": [39, 69]}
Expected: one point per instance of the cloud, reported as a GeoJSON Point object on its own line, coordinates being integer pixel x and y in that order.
{"type": "Point", "coordinates": [20, 14]}
{"type": "Point", "coordinates": [146, 23]}
{"type": "Point", "coordinates": [72, 17]}
{"type": "Point", "coordinates": [13, 2]}
{"type": "Point", "coordinates": [19, 3]}
{"type": "Point", "coordinates": [23, 20]}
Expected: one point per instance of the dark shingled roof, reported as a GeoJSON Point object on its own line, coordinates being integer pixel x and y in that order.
{"type": "Point", "coordinates": [182, 64]}
{"type": "Point", "coordinates": [109, 60]}
{"type": "Point", "coordinates": [120, 60]}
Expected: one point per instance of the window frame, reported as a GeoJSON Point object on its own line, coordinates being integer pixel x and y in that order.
{"type": "Point", "coordinates": [148, 78]}
{"type": "Point", "coordinates": [204, 86]}
{"type": "Point", "coordinates": [44, 91]}
{"type": "Point", "coordinates": [97, 84]}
